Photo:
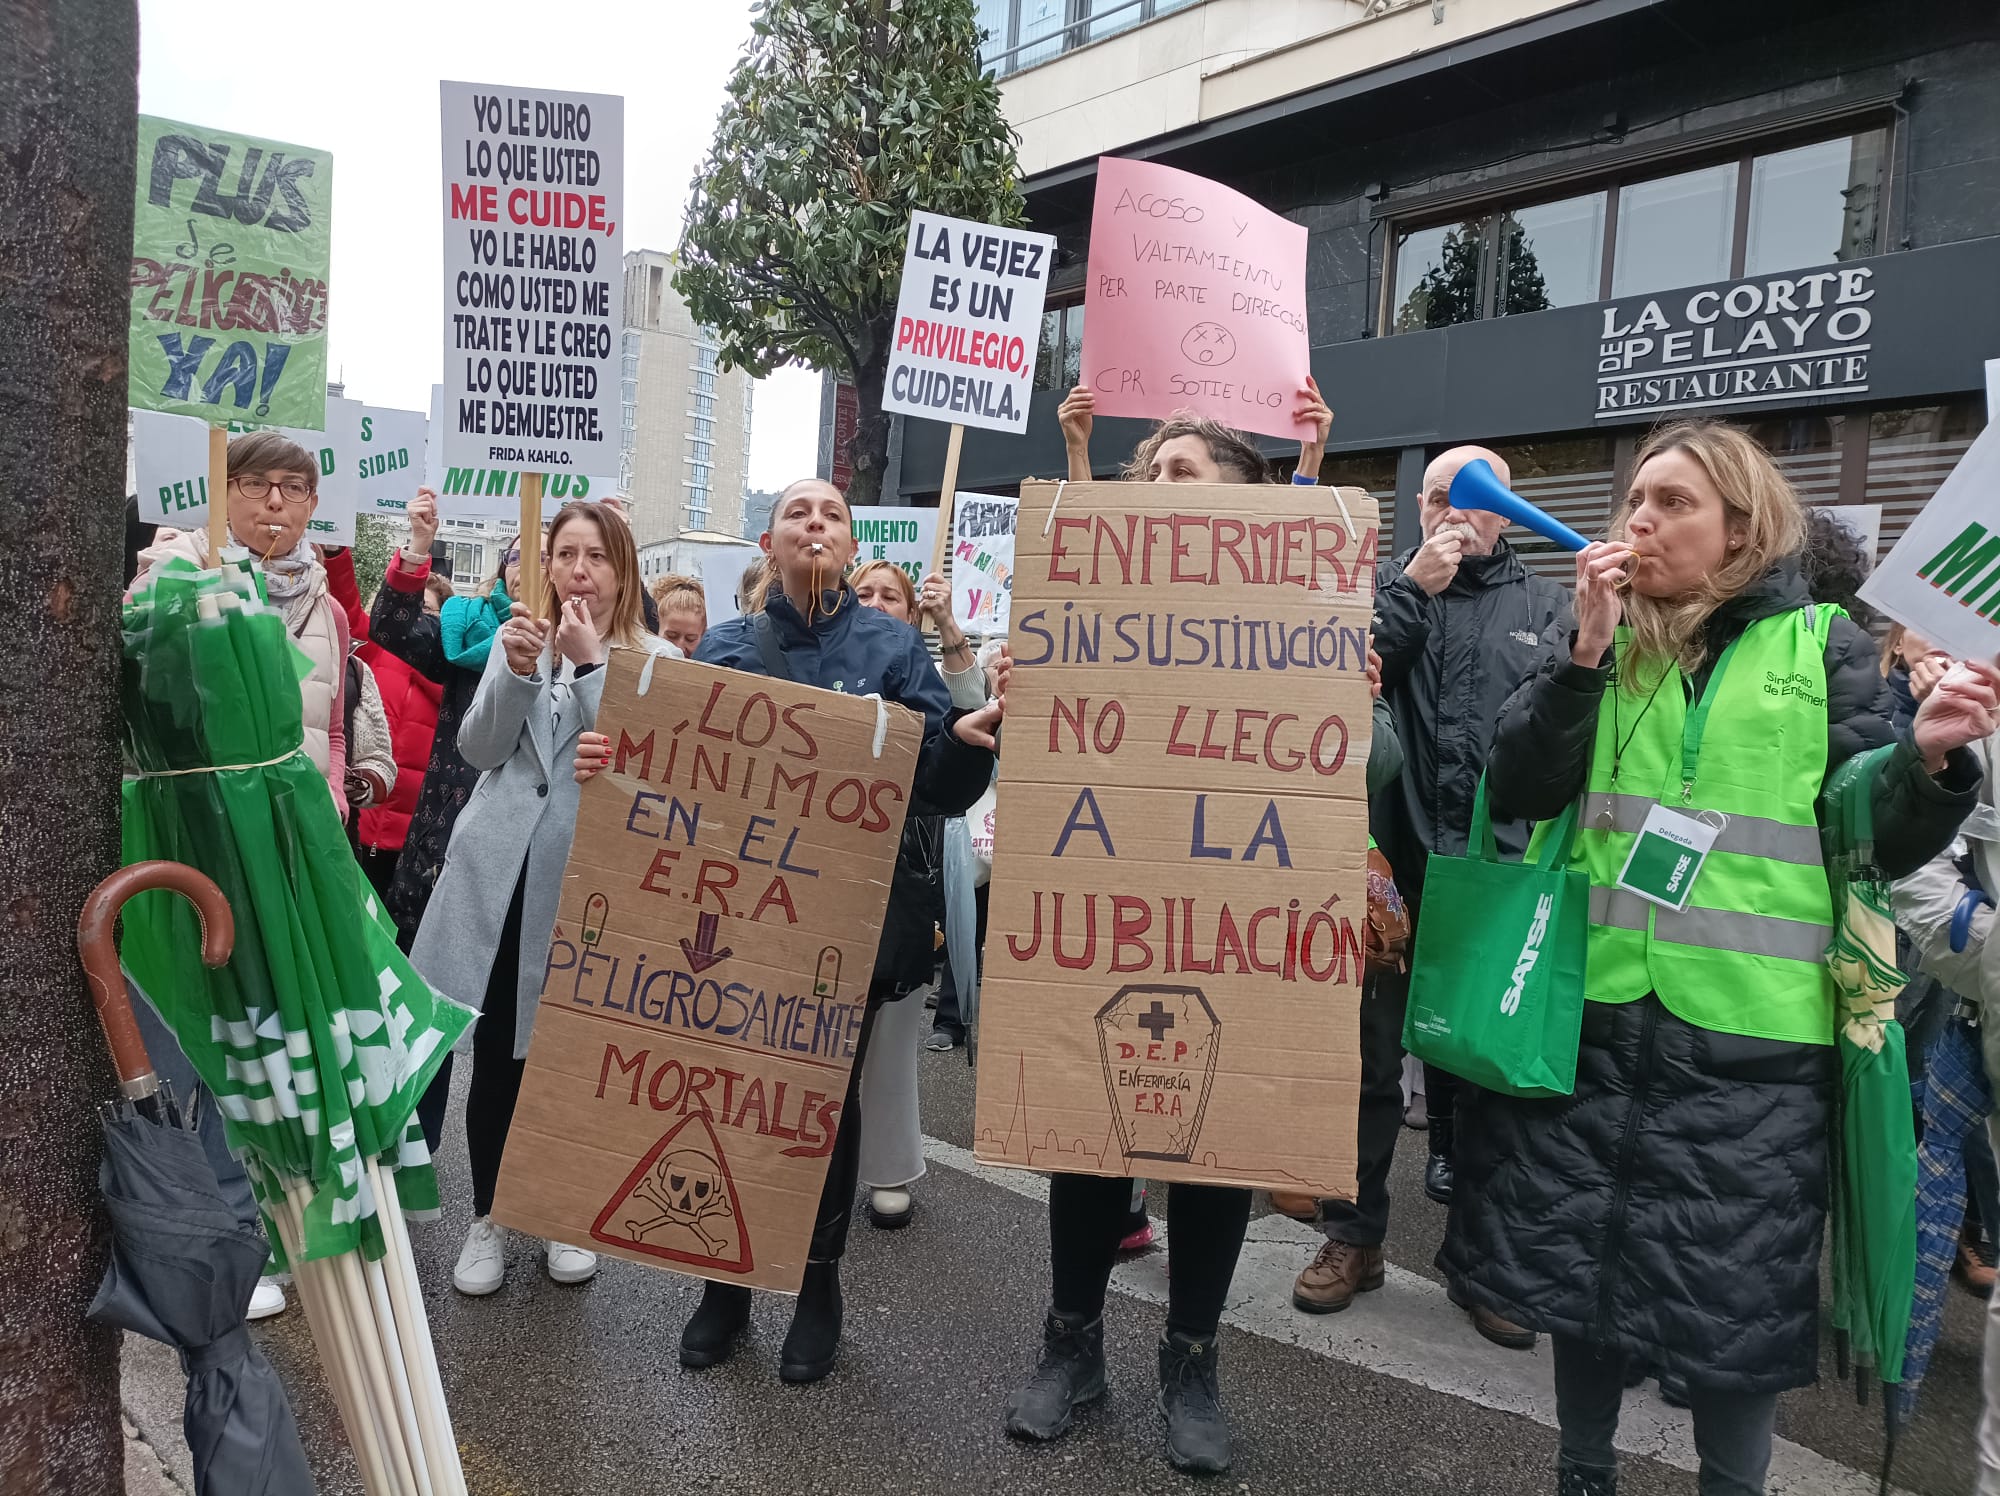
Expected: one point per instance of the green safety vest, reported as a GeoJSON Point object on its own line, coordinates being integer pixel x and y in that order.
{"type": "Point", "coordinates": [1747, 955]}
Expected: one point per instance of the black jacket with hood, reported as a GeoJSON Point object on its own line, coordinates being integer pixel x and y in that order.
{"type": "Point", "coordinates": [1671, 1208]}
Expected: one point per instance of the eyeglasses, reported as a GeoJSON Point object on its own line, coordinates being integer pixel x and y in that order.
{"type": "Point", "coordinates": [293, 490]}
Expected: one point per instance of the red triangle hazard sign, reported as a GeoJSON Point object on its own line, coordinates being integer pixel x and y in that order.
{"type": "Point", "coordinates": [680, 1203]}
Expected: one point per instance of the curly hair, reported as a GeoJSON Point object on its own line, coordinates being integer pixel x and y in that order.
{"type": "Point", "coordinates": [1233, 453]}
{"type": "Point", "coordinates": [1835, 564]}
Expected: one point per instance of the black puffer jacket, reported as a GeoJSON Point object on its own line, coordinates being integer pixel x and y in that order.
{"type": "Point", "coordinates": [1448, 664]}
{"type": "Point", "coordinates": [1672, 1207]}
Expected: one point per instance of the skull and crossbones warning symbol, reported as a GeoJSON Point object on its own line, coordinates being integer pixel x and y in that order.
{"type": "Point", "coordinates": [685, 1188]}
{"type": "Point", "coordinates": [679, 1203]}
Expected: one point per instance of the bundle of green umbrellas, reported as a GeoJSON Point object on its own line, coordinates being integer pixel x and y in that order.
{"type": "Point", "coordinates": [317, 1037]}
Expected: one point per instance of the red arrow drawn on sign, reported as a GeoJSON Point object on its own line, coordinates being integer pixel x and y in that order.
{"type": "Point", "coordinates": [702, 954]}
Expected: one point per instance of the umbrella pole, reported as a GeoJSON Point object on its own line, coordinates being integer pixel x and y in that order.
{"type": "Point", "coordinates": [440, 1443]}
{"type": "Point", "coordinates": [335, 1352]}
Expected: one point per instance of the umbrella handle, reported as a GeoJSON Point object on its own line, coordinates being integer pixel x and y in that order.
{"type": "Point", "coordinates": [99, 953]}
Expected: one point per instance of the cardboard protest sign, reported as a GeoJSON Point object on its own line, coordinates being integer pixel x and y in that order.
{"type": "Point", "coordinates": [1196, 300]}
{"type": "Point", "coordinates": [170, 467]}
{"type": "Point", "coordinates": [968, 322]}
{"type": "Point", "coordinates": [231, 241]}
{"type": "Point", "coordinates": [709, 970]}
{"type": "Point", "coordinates": [1943, 577]}
{"type": "Point", "coordinates": [493, 492]}
{"type": "Point", "coordinates": [903, 537]}
{"type": "Point", "coordinates": [1173, 970]}
{"type": "Point", "coordinates": [982, 562]}
{"type": "Point", "coordinates": [534, 187]}
{"type": "Point", "coordinates": [389, 462]}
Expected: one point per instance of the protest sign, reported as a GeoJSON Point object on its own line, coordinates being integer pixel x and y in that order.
{"type": "Point", "coordinates": [982, 562]}
{"type": "Point", "coordinates": [968, 322]}
{"type": "Point", "coordinates": [709, 970]}
{"type": "Point", "coordinates": [488, 491]}
{"type": "Point", "coordinates": [230, 246]}
{"type": "Point", "coordinates": [1943, 577]}
{"type": "Point", "coordinates": [1196, 300]}
{"type": "Point", "coordinates": [1173, 975]}
{"type": "Point", "coordinates": [170, 468]}
{"type": "Point", "coordinates": [721, 573]}
{"type": "Point", "coordinates": [389, 459]}
{"type": "Point", "coordinates": [533, 271]}
{"type": "Point", "coordinates": [900, 536]}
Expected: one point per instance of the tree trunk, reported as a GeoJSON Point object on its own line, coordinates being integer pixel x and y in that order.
{"type": "Point", "coordinates": [871, 428]}
{"type": "Point", "coordinates": [68, 130]}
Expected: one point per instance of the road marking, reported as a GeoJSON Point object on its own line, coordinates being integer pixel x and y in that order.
{"type": "Point", "coordinates": [1411, 1331]}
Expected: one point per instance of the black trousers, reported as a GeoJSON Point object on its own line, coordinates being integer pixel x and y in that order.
{"type": "Point", "coordinates": [1364, 1221]}
{"type": "Point", "coordinates": [843, 1165]}
{"type": "Point", "coordinates": [1205, 1225]}
{"type": "Point", "coordinates": [496, 1074]}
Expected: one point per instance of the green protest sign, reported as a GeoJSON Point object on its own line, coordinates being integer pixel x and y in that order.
{"type": "Point", "coordinates": [230, 247]}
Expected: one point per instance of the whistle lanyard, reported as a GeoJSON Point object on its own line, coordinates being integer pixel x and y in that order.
{"type": "Point", "coordinates": [1692, 728]}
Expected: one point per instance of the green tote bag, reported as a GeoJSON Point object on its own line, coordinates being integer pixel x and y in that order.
{"type": "Point", "coordinates": [1496, 985]}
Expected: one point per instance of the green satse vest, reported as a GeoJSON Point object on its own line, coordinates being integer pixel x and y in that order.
{"type": "Point", "coordinates": [1747, 954]}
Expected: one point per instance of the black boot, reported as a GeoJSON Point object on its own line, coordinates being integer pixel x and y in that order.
{"type": "Point", "coordinates": [1573, 1479]}
{"type": "Point", "coordinates": [1437, 1170]}
{"type": "Point", "coordinates": [709, 1338]}
{"type": "Point", "coordinates": [1070, 1374]}
{"type": "Point", "coordinates": [1191, 1402]}
{"type": "Point", "coordinates": [814, 1339]}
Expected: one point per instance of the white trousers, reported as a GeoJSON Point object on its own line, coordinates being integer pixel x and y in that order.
{"type": "Point", "coordinates": [1989, 1420]}
{"type": "Point", "coordinates": [892, 1134]}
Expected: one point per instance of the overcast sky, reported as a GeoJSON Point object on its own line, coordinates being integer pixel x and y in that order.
{"type": "Point", "coordinates": [360, 79]}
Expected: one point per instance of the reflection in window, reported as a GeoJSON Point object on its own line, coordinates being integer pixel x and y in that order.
{"type": "Point", "coordinates": [1674, 231]}
{"type": "Point", "coordinates": [1040, 19]}
{"type": "Point", "coordinates": [1550, 255]}
{"type": "Point", "coordinates": [1437, 275]}
{"type": "Point", "coordinates": [1910, 452]}
{"type": "Point", "coordinates": [1815, 204]}
{"type": "Point", "coordinates": [990, 16]}
{"type": "Point", "coordinates": [1059, 361]}
{"type": "Point", "coordinates": [1806, 449]}
{"type": "Point", "coordinates": [1571, 478]}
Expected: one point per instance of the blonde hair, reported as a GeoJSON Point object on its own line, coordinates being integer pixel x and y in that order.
{"type": "Point", "coordinates": [677, 591]}
{"type": "Point", "coordinates": [903, 583]}
{"type": "Point", "coordinates": [627, 629]}
{"type": "Point", "coordinates": [754, 585]}
{"type": "Point", "coordinates": [1231, 449]}
{"type": "Point", "coordinates": [1758, 504]}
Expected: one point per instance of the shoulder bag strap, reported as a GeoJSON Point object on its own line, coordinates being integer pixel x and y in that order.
{"type": "Point", "coordinates": [776, 663]}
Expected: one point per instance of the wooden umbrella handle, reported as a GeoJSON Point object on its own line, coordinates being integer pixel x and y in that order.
{"type": "Point", "coordinates": [98, 950]}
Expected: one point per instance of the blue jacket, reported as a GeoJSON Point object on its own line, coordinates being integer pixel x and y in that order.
{"type": "Point", "coordinates": [865, 653]}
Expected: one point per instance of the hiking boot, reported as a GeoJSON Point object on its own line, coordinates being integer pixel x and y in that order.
{"type": "Point", "coordinates": [814, 1339]}
{"type": "Point", "coordinates": [1502, 1332]}
{"type": "Point", "coordinates": [1300, 1207]}
{"type": "Point", "coordinates": [1191, 1402]}
{"type": "Point", "coordinates": [1070, 1374]}
{"type": "Point", "coordinates": [1573, 1479]}
{"type": "Point", "coordinates": [1438, 1167]}
{"type": "Point", "coordinates": [1332, 1279]}
{"type": "Point", "coordinates": [709, 1337]}
{"type": "Point", "coordinates": [1972, 1270]}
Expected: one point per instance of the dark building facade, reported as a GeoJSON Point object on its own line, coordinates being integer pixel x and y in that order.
{"type": "Point", "coordinates": [1784, 214]}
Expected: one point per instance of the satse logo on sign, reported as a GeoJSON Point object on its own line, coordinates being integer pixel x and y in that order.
{"type": "Point", "coordinates": [1755, 341]}
{"type": "Point", "coordinates": [1531, 952]}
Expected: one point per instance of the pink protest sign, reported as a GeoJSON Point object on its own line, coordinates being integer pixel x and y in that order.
{"type": "Point", "coordinates": [1197, 301]}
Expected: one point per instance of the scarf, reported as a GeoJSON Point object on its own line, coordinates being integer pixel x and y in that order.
{"type": "Point", "coordinates": [467, 627]}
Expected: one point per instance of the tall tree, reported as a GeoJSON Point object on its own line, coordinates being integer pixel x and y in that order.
{"type": "Point", "coordinates": [68, 130]}
{"type": "Point", "coordinates": [843, 116]}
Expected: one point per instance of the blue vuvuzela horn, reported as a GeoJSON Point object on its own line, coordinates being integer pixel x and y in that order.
{"type": "Point", "coordinates": [1477, 486]}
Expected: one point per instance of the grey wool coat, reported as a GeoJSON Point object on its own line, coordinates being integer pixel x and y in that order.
{"type": "Point", "coordinates": [524, 810]}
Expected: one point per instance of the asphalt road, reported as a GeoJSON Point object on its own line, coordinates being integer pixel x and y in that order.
{"type": "Point", "coordinates": [577, 1390]}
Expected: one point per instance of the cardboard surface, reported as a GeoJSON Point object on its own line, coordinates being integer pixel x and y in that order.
{"type": "Point", "coordinates": [1943, 577]}
{"type": "Point", "coordinates": [1173, 962]}
{"type": "Point", "coordinates": [708, 971]}
{"type": "Point", "coordinates": [1196, 300]}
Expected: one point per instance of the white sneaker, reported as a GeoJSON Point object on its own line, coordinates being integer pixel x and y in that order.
{"type": "Point", "coordinates": [269, 1299]}
{"type": "Point", "coordinates": [569, 1264]}
{"type": "Point", "coordinates": [483, 1261]}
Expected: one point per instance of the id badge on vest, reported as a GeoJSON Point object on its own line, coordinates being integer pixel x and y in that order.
{"type": "Point", "coordinates": [1668, 857]}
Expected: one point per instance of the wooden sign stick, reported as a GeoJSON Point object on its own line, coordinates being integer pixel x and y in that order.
{"type": "Point", "coordinates": [218, 493]}
{"type": "Point", "coordinates": [531, 543]}
{"type": "Point", "coordinates": [947, 506]}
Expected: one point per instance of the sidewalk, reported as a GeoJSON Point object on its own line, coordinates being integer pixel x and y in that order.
{"type": "Point", "coordinates": [153, 1392]}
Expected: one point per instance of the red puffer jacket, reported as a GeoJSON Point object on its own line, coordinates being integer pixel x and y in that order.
{"type": "Point", "coordinates": [411, 700]}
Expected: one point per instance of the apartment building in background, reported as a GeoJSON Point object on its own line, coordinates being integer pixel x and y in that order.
{"type": "Point", "coordinates": [684, 443]}
{"type": "Point", "coordinates": [1546, 225]}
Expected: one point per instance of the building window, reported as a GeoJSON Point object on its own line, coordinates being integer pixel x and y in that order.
{"type": "Point", "coordinates": [700, 473]}
{"type": "Point", "coordinates": [1910, 452]}
{"type": "Point", "coordinates": [704, 406]}
{"type": "Point", "coordinates": [1374, 471]}
{"type": "Point", "coordinates": [704, 428]}
{"type": "Point", "coordinates": [1059, 361]}
{"type": "Point", "coordinates": [1021, 33]}
{"type": "Point", "coordinates": [1762, 212]}
{"type": "Point", "coordinates": [701, 451]}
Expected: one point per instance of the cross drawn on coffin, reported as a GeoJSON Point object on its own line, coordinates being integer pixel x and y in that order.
{"type": "Point", "coordinates": [680, 1203]}
{"type": "Point", "coordinates": [1158, 1045]}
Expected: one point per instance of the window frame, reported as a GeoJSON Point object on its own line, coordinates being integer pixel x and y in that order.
{"type": "Point", "coordinates": [1743, 151]}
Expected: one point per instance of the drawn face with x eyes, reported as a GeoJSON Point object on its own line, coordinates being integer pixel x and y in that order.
{"type": "Point", "coordinates": [1209, 344]}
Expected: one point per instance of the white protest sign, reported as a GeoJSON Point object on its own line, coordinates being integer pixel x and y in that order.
{"type": "Point", "coordinates": [534, 198]}
{"type": "Point", "coordinates": [1943, 577]}
{"type": "Point", "coordinates": [903, 537]}
{"type": "Point", "coordinates": [720, 574]}
{"type": "Point", "coordinates": [494, 492]}
{"type": "Point", "coordinates": [389, 459]}
{"type": "Point", "coordinates": [968, 321]}
{"type": "Point", "coordinates": [982, 562]}
{"type": "Point", "coordinates": [170, 469]}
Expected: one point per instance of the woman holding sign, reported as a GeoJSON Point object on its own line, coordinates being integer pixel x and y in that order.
{"type": "Point", "coordinates": [484, 938]}
{"type": "Point", "coordinates": [812, 630]}
{"type": "Point", "coordinates": [1193, 449]}
{"type": "Point", "coordinates": [1668, 1214]}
